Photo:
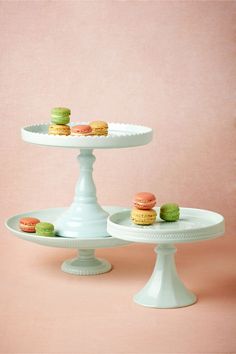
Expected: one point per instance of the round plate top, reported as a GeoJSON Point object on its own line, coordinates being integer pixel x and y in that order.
{"type": "Point", "coordinates": [120, 135]}
{"type": "Point", "coordinates": [193, 225]}
{"type": "Point", "coordinates": [50, 215]}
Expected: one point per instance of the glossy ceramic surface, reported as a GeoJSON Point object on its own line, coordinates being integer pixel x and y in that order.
{"type": "Point", "coordinates": [120, 135]}
{"type": "Point", "coordinates": [193, 225]}
{"type": "Point", "coordinates": [165, 289]}
{"type": "Point", "coordinates": [85, 263]}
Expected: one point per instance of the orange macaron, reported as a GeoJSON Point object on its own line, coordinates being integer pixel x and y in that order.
{"type": "Point", "coordinates": [81, 130]}
{"type": "Point", "coordinates": [144, 201]}
{"type": "Point", "coordinates": [28, 224]}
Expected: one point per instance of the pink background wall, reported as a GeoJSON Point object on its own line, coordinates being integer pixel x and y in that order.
{"type": "Point", "coordinates": [168, 65]}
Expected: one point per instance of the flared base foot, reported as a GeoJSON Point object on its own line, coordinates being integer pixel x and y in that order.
{"type": "Point", "coordinates": [183, 299]}
{"type": "Point", "coordinates": [165, 289]}
{"type": "Point", "coordinates": [86, 264]}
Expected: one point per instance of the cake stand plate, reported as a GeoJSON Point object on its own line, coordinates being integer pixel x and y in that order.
{"type": "Point", "coordinates": [165, 289]}
{"type": "Point", "coordinates": [120, 135]}
{"type": "Point", "coordinates": [85, 263]}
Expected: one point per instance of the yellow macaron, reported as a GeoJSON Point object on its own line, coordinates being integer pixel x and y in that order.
{"type": "Point", "coordinates": [58, 129]}
{"type": "Point", "coordinates": [99, 127]}
{"type": "Point", "coordinates": [143, 217]}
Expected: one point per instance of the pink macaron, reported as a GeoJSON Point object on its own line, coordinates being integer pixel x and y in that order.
{"type": "Point", "coordinates": [81, 130]}
{"type": "Point", "coordinates": [28, 224]}
{"type": "Point", "coordinates": [144, 200]}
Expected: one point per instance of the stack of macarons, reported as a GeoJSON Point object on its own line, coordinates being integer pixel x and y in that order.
{"type": "Point", "coordinates": [34, 225]}
{"type": "Point", "coordinates": [143, 212]}
{"type": "Point", "coordinates": [60, 117]}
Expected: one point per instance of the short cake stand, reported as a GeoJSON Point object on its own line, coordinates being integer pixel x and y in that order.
{"type": "Point", "coordinates": [83, 225]}
{"type": "Point", "coordinates": [165, 289]}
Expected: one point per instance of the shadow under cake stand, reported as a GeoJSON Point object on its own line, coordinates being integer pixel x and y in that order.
{"type": "Point", "coordinates": [83, 225]}
{"type": "Point", "coordinates": [165, 289]}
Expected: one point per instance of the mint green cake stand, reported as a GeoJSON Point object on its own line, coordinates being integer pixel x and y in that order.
{"type": "Point", "coordinates": [85, 217]}
{"type": "Point", "coordinates": [83, 224]}
{"type": "Point", "coordinates": [165, 289]}
{"type": "Point", "coordinates": [85, 263]}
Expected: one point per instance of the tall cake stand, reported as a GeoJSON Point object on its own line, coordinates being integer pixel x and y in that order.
{"type": "Point", "coordinates": [165, 289]}
{"type": "Point", "coordinates": [85, 221]}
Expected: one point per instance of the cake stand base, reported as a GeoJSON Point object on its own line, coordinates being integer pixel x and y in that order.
{"type": "Point", "coordinates": [86, 264]}
{"type": "Point", "coordinates": [165, 289]}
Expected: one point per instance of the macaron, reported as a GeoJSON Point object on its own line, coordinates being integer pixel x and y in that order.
{"type": "Point", "coordinates": [45, 229]}
{"type": "Point", "coordinates": [99, 127]}
{"type": "Point", "coordinates": [144, 201]}
{"type": "Point", "coordinates": [28, 224]}
{"type": "Point", "coordinates": [169, 212]}
{"type": "Point", "coordinates": [60, 115]}
{"type": "Point", "coordinates": [143, 217]}
{"type": "Point", "coordinates": [56, 129]}
{"type": "Point", "coordinates": [81, 130]}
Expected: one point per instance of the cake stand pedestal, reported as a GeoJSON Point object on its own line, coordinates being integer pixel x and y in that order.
{"type": "Point", "coordinates": [165, 289]}
{"type": "Point", "coordinates": [86, 262]}
{"type": "Point", "coordinates": [85, 217]}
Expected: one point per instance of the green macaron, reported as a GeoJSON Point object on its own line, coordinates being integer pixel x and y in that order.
{"type": "Point", "coordinates": [169, 212]}
{"type": "Point", "coordinates": [60, 115]}
{"type": "Point", "coordinates": [45, 229]}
